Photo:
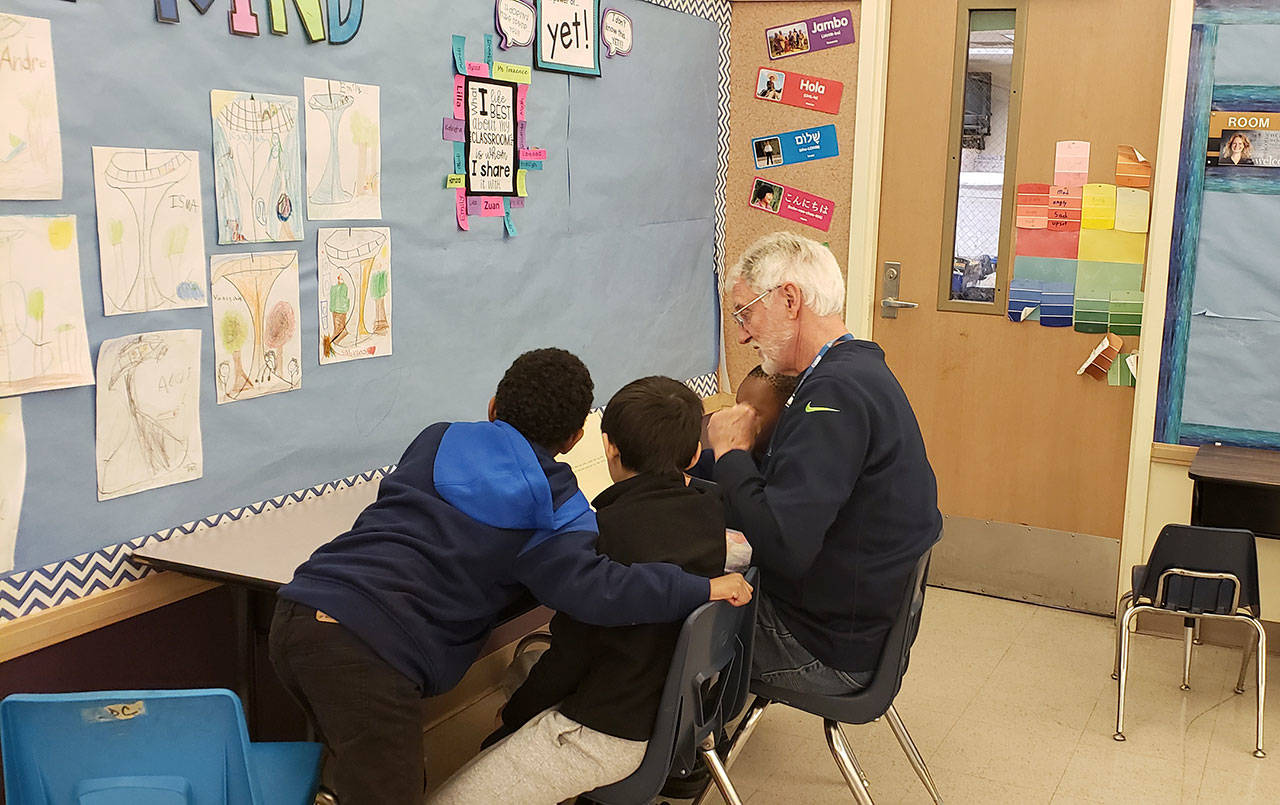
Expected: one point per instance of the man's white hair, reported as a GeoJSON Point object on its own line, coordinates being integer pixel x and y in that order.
{"type": "Point", "coordinates": [784, 257]}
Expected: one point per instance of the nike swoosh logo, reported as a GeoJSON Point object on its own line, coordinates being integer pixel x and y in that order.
{"type": "Point", "coordinates": [810, 408]}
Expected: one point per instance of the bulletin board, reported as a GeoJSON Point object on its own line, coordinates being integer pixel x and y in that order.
{"type": "Point", "coordinates": [615, 257]}
{"type": "Point", "coordinates": [1222, 327]}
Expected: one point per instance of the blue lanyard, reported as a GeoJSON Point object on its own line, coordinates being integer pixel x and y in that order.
{"type": "Point", "coordinates": [817, 360]}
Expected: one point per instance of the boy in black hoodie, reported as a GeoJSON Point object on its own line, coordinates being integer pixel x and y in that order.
{"type": "Point", "coordinates": [584, 716]}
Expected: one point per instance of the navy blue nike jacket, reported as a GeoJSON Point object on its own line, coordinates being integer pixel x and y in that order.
{"type": "Point", "coordinates": [842, 507]}
{"type": "Point", "coordinates": [473, 515]}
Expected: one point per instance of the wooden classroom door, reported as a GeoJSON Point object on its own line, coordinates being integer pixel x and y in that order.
{"type": "Point", "coordinates": [1014, 435]}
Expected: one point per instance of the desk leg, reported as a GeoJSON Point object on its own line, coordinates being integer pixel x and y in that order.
{"type": "Point", "coordinates": [246, 649]}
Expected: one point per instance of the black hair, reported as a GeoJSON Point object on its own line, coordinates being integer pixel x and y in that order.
{"type": "Point", "coordinates": [655, 423]}
{"type": "Point", "coordinates": [545, 394]}
{"type": "Point", "coordinates": [763, 189]}
{"type": "Point", "coordinates": [783, 385]}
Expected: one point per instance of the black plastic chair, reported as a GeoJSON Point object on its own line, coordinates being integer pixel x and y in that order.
{"type": "Point", "coordinates": [857, 708]}
{"type": "Point", "coordinates": [705, 688]}
{"type": "Point", "coordinates": [1196, 572]}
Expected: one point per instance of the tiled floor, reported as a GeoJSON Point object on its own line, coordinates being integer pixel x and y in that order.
{"type": "Point", "coordinates": [1014, 703]}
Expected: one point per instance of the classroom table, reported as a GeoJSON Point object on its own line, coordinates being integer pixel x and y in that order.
{"type": "Point", "coordinates": [260, 552]}
{"type": "Point", "coordinates": [1236, 487]}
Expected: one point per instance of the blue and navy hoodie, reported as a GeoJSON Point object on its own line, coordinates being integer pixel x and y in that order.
{"type": "Point", "coordinates": [473, 515]}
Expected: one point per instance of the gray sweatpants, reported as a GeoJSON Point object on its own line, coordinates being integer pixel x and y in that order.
{"type": "Point", "coordinates": [550, 759]}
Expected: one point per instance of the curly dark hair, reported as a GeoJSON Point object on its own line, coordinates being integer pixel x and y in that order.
{"type": "Point", "coordinates": [545, 394]}
{"type": "Point", "coordinates": [655, 423]}
{"type": "Point", "coordinates": [783, 385]}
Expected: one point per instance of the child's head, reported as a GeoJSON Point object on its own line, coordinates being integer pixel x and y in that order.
{"type": "Point", "coordinates": [545, 395]}
{"type": "Point", "coordinates": [767, 394]}
{"type": "Point", "coordinates": [653, 424]}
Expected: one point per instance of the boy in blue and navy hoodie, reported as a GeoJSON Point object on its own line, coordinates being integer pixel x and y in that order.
{"type": "Point", "coordinates": [475, 513]}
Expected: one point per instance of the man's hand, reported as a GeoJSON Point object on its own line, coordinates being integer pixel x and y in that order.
{"type": "Point", "coordinates": [732, 588]}
{"type": "Point", "coordinates": [733, 429]}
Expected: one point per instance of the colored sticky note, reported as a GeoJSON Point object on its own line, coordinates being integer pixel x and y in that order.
{"type": "Point", "coordinates": [453, 130]}
{"type": "Point", "coordinates": [459, 157]}
{"type": "Point", "coordinates": [1133, 209]}
{"type": "Point", "coordinates": [1071, 163]}
{"type": "Point", "coordinates": [491, 206]}
{"type": "Point", "coordinates": [530, 165]}
{"type": "Point", "coordinates": [522, 95]}
{"type": "Point", "coordinates": [454, 181]}
{"type": "Point", "coordinates": [1132, 168]}
{"type": "Point", "coordinates": [478, 69]}
{"type": "Point", "coordinates": [1112, 246]}
{"type": "Point", "coordinates": [1032, 211]}
{"type": "Point", "coordinates": [459, 53]}
{"type": "Point", "coordinates": [517, 203]}
{"type": "Point", "coordinates": [1098, 206]}
{"type": "Point", "coordinates": [461, 206]}
{"type": "Point", "coordinates": [520, 134]}
{"type": "Point", "coordinates": [488, 50]}
{"type": "Point", "coordinates": [473, 205]}
{"type": "Point", "coordinates": [518, 73]}
{"type": "Point", "coordinates": [1046, 243]}
{"type": "Point", "coordinates": [506, 218]}
{"type": "Point", "coordinates": [1124, 313]}
{"type": "Point", "coordinates": [533, 153]}
{"type": "Point", "coordinates": [459, 97]}
{"type": "Point", "coordinates": [521, 189]}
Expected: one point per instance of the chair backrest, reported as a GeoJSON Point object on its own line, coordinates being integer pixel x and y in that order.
{"type": "Point", "coordinates": [871, 702]}
{"type": "Point", "coordinates": [705, 688]}
{"type": "Point", "coordinates": [128, 746]}
{"type": "Point", "coordinates": [1204, 550]}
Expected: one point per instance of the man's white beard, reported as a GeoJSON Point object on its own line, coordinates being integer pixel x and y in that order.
{"type": "Point", "coordinates": [771, 355]}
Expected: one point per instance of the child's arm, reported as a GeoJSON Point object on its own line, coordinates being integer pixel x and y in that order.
{"type": "Point", "coordinates": [553, 677]}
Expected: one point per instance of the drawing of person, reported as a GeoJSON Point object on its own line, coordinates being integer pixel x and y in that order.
{"type": "Point", "coordinates": [339, 307]}
{"type": "Point", "coordinates": [224, 378]}
{"type": "Point", "coordinates": [268, 366]}
{"type": "Point", "coordinates": [150, 444]}
{"type": "Point", "coordinates": [1238, 151]}
{"type": "Point", "coordinates": [295, 372]}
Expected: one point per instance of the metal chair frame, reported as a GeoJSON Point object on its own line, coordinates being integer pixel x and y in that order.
{"type": "Point", "coordinates": [1126, 614]}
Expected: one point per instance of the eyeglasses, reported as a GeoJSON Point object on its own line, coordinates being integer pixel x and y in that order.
{"type": "Point", "coordinates": [737, 313]}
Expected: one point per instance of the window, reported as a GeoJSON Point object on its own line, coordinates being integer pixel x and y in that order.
{"type": "Point", "coordinates": [980, 161]}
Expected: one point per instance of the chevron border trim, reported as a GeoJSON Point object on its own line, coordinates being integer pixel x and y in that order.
{"type": "Point", "coordinates": [54, 584]}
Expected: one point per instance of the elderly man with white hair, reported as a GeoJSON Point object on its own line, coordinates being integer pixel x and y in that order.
{"type": "Point", "coordinates": [844, 501]}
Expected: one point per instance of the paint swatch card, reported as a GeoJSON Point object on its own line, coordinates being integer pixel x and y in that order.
{"type": "Point", "coordinates": [1099, 206]}
{"type": "Point", "coordinates": [1112, 246]}
{"type": "Point", "coordinates": [1124, 315]}
{"type": "Point", "coordinates": [1099, 361]}
{"type": "Point", "coordinates": [794, 89]}
{"type": "Point", "coordinates": [1065, 205]}
{"type": "Point", "coordinates": [1121, 373]}
{"type": "Point", "coordinates": [806, 36]}
{"type": "Point", "coordinates": [1133, 209]}
{"type": "Point", "coordinates": [802, 145]}
{"type": "Point", "coordinates": [1095, 283]}
{"type": "Point", "coordinates": [1132, 168]}
{"type": "Point", "coordinates": [1033, 206]}
{"type": "Point", "coordinates": [1047, 243]}
{"type": "Point", "coordinates": [1042, 289]}
{"type": "Point", "coordinates": [792, 204]}
{"type": "Point", "coordinates": [1071, 163]}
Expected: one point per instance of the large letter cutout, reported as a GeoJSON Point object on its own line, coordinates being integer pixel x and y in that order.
{"type": "Point", "coordinates": [243, 21]}
{"type": "Point", "coordinates": [167, 10]}
{"type": "Point", "coordinates": [311, 12]}
{"type": "Point", "coordinates": [343, 29]}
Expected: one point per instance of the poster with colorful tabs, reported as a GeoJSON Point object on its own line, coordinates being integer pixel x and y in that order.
{"type": "Point", "coordinates": [30, 137]}
{"type": "Point", "coordinates": [1032, 210]}
{"type": "Point", "coordinates": [792, 204]}
{"type": "Point", "coordinates": [1065, 208]}
{"type": "Point", "coordinates": [1132, 168]}
{"type": "Point", "coordinates": [790, 147]}
{"type": "Point", "coordinates": [492, 152]}
{"type": "Point", "coordinates": [807, 36]}
{"type": "Point", "coordinates": [354, 292]}
{"type": "Point", "coordinates": [43, 341]}
{"type": "Point", "coordinates": [1071, 163]}
{"type": "Point", "coordinates": [794, 89]}
{"type": "Point", "coordinates": [344, 150]}
{"type": "Point", "coordinates": [567, 36]}
{"type": "Point", "coordinates": [257, 167]}
{"type": "Point", "coordinates": [1096, 281]}
{"type": "Point", "coordinates": [13, 476]}
{"type": "Point", "coordinates": [1133, 209]}
{"type": "Point", "coordinates": [1098, 206]}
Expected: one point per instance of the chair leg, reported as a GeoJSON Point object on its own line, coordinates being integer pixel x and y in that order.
{"type": "Point", "coordinates": [718, 773]}
{"type": "Point", "coordinates": [740, 735]}
{"type": "Point", "coordinates": [913, 754]}
{"type": "Point", "coordinates": [1196, 637]}
{"type": "Point", "coordinates": [848, 766]}
{"type": "Point", "coordinates": [1120, 610]}
{"type": "Point", "coordinates": [1245, 654]}
{"type": "Point", "coordinates": [1188, 641]}
{"type": "Point", "coordinates": [1123, 671]}
{"type": "Point", "coordinates": [848, 747]}
{"type": "Point", "coordinates": [1262, 681]}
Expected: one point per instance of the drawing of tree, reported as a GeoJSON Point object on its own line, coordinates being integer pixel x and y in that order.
{"type": "Point", "coordinates": [234, 333]}
{"type": "Point", "coordinates": [280, 326]}
{"type": "Point", "coordinates": [35, 309]}
{"type": "Point", "coordinates": [379, 286]}
{"type": "Point", "coordinates": [364, 133]}
{"type": "Point", "coordinates": [115, 232]}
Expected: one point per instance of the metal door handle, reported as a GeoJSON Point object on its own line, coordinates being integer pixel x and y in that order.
{"type": "Point", "coordinates": [897, 303]}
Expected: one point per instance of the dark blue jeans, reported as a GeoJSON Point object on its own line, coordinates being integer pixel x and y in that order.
{"type": "Point", "coordinates": [780, 660]}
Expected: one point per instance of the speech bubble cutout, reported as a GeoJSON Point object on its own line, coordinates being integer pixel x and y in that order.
{"type": "Point", "coordinates": [516, 21]}
{"type": "Point", "coordinates": [615, 30]}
